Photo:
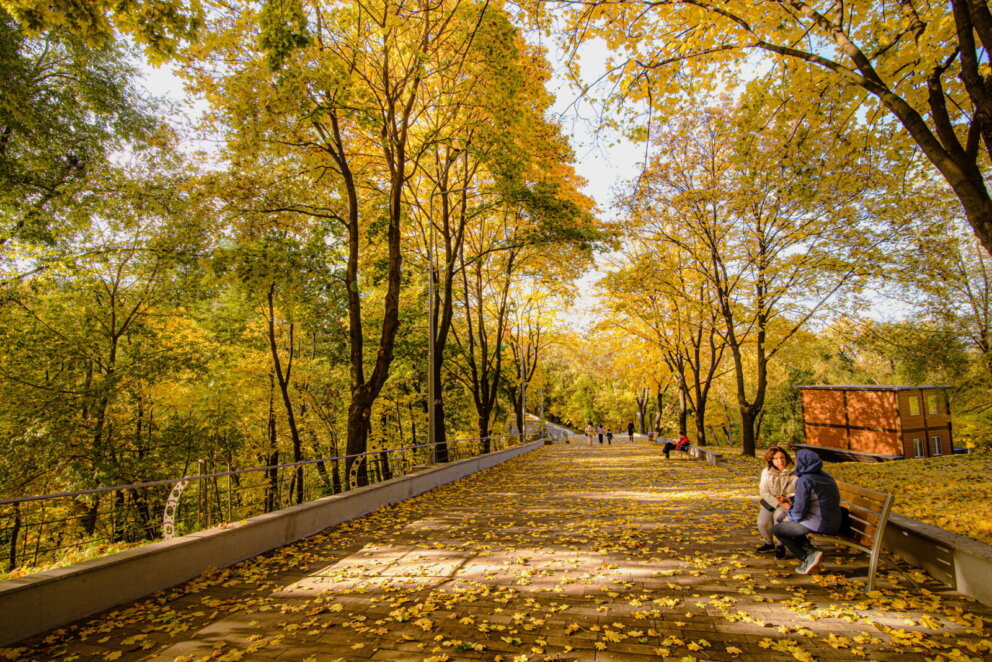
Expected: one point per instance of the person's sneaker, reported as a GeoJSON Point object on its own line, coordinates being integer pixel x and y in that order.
{"type": "Point", "coordinates": [780, 551]}
{"type": "Point", "coordinates": [767, 547]}
{"type": "Point", "coordinates": [811, 563]}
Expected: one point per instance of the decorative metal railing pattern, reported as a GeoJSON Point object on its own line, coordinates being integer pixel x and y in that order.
{"type": "Point", "coordinates": [42, 530]}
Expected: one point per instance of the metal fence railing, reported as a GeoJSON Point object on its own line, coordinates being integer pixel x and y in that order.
{"type": "Point", "coordinates": [44, 530]}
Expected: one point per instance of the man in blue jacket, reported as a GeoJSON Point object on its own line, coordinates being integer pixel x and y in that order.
{"type": "Point", "coordinates": [815, 508]}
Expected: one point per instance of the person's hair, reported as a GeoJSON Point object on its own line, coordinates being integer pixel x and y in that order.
{"type": "Point", "coordinates": [770, 453]}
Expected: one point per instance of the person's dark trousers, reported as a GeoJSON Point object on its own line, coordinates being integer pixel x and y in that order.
{"type": "Point", "coordinates": [794, 536]}
{"type": "Point", "coordinates": [668, 449]}
{"type": "Point", "coordinates": [600, 438]}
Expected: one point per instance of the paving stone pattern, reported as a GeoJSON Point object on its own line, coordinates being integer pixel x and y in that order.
{"type": "Point", "coordinates": [571, 552]}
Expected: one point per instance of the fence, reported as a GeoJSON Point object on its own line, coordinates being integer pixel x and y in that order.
{"type": "Point", "coordinates": [43, 530]}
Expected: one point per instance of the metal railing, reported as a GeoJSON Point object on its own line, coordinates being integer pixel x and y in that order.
{"type": "Point", "coordinates": [49, 529]}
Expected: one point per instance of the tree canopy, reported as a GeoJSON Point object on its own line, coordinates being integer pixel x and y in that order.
{"type": "Point", "coordinates": [389, 241]}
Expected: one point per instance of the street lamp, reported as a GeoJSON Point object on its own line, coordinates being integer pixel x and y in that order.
{"type": "Point", "coordinates": [523, 392]}
{"type": "Point", "coordinates": [431, 333]}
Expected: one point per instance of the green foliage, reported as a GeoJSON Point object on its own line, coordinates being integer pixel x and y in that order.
{"type": "Point", "coordinates": [557, 220]}
{"type": "Point", "coordinates": [160, 25]}
{"type": "Point", "coordinates": [64, 108]}
{"type": "Point", "coordinates": [283, 29]}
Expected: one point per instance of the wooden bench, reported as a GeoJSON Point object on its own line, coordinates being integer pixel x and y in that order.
{"type": "Point", "coordinates": [864, 524]}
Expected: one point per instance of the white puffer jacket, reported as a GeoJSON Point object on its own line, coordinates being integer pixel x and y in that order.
{"type": "Point", "coordinates": [775, 483]}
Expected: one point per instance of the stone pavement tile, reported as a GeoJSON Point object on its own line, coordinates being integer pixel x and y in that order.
{"type": "Point", "coordinates": [394, 655]}
{"type": "Point", "coordinates": [621, 656]}
{"type": "Point", "coordinates": [621, 546]}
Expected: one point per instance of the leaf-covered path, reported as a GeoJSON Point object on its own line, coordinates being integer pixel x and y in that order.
{"type": "Point", "coordinates": [571, 552]}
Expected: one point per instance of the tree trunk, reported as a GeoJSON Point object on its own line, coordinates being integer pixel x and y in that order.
{"type": "Point", "coordinates": [14, 533]}
{"type": "Point", "coordinates": [440, 435]}
{"type": "Point", "coordinates": [283, 380]}
{"type": "Point", "coordinates": [483, 426]}
{"type": "Point", "coordinates": [272, 488]}
{"type": "Point", "coordinates": [359, 412]}
{"type": "Point", "coordinates": [92, 511]}
{"type": "Point", "coordinates": [747, 431]}
{"type": "Point", "coordinates": [699, 420]}
{"type": "Point", "coordinates": [642, 406]}
{"type": "Point", "coordinates": [683, 407]}
{"type": "Point", "coordinates": [660, 400]}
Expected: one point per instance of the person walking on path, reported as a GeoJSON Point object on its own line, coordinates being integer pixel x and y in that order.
{"type": "Point", "coordinates": [609, 437]}
{"type": "Point", "coordinates": [778, 484]}
{"type": "Point", "coordinates": [630, 431]}
{"type": "Point", "coordinates": [600, 430]}
{"type": "Point", "coordinates": [590, 431]}
{"type": "Point", "coordinates": [814, 509]}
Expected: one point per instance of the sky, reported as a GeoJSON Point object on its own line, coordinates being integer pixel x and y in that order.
{"type": "Point", "coordinates": [606, 162]}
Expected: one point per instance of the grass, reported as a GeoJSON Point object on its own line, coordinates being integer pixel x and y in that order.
{"type": "Point", "coordinates": [952, 492]}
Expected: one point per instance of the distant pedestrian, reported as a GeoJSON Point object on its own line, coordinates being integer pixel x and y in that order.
{"type": "Point", "coordinates": [601, 431]}
{"type": "Point", "coordinates": [590, 431]}
{"type": "Point", "coordinates": [630, 430]}
{"type": "Point", "coordinates": [609, 437]}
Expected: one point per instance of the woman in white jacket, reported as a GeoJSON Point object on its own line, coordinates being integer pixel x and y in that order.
{"type": "Point", "coordinates": [778, 485]}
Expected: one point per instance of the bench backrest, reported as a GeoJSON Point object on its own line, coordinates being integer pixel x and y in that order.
{"type": "Point", "coordinates": [869, 512]}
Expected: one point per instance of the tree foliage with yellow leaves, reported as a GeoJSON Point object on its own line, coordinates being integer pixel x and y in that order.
{"type": "Point", "coordinates": [772, 217]}
{"type": "Point", "coordinates": [658, 295]}
{"type": "Point", "coordinates": [921, 67]}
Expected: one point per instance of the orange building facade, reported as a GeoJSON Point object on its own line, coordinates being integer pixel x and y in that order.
{"type": "Point", "coordinates": [885, 421]}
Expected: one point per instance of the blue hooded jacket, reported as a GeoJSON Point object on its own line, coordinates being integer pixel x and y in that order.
{"type": "Point", "coordinates": [817, 502]}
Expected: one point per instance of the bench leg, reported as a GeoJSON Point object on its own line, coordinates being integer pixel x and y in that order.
{"type": "Point", "coordinates": [872, 567]}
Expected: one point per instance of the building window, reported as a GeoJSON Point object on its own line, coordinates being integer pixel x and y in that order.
{"type": "Point", "coordinates": [914, 404]}
{"type": "Point", "coordinates": [935, 448]}
{"type": "Point", "coordinates": [933, 403]}
{"type": "Point", "coordinates": [918, 447]}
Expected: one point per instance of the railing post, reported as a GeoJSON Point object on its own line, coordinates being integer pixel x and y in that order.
{"type": "Point", "coordinates": [200, 500]}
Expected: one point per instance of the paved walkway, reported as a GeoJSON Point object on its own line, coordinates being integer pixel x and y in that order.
{"type": "Point", "coordinates": [571, 552]}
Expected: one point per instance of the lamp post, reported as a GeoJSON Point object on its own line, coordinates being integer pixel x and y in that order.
{"type": "Point", "coordinates": [523, 393]}
{"type": "Point", "coordinates": [431, 332]}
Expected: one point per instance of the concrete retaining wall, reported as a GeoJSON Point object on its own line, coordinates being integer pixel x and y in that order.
{"type": "Point", "coordinates": [37, 603]}
{"type": "Point", "coordinates": [962, 563]}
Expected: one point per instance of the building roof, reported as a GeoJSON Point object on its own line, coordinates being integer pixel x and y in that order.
{"type": "Point", "coordinates": [865, 387]}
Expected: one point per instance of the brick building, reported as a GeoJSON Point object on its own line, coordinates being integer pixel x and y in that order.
{"type": "Point", "coordinates": [878, 422]}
